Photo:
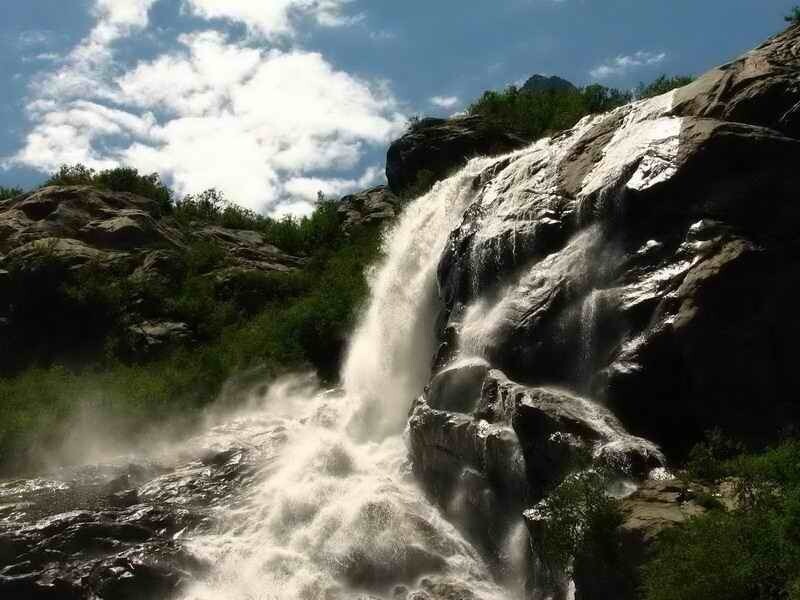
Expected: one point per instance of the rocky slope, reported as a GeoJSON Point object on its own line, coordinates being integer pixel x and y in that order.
{"type": "Point", "coordinates": [633, 276]}
{"type": "Point", "coordinates": [57, 236]}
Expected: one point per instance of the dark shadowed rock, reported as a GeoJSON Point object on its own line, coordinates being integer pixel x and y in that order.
{"type": "Point", "coordinates": [437, 147]}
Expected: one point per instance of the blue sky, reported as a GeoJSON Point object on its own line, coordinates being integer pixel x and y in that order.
{"type": "Point", "coordinates": [272, 100]}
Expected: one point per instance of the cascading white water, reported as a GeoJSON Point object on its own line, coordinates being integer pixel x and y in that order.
{"type": "Point", "coordinates": [335, 512]}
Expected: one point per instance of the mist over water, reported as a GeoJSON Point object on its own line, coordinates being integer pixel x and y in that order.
{"type": "Point", "coordinates": [334, 512]}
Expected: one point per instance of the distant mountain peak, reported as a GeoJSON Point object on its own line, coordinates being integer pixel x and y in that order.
{"type": "Point", "coordinates": [544, 83]}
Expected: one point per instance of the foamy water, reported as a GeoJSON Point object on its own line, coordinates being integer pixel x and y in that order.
{"type": "Point", "coordinates": [335, 511]}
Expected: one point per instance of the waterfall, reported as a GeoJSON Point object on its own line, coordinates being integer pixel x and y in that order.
{"type": "Point", "coordinates": [335, 512]}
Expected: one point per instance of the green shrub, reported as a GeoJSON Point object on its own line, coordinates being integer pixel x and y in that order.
{"type": "Point", "coordinates": [87, 302]}
{"type": "Point", "coordinates": [579, 519]}
{"type": "Point", "coordinates": [749, 553]}
{"type": "Point", "coordinates": [707, 460]}
{"type": "Point", "coordinates": [541, 113]}
{"type": "Point", "coordinates": [794, 16]}
{"type": "Point", "coordinates": [120, 179]}
{"type": "Point", "coordinates": [77, 174]}
{"type": "Point", "coordinates": [263, 323]}
{"type": "Point", "coordinates": [8, 193]}
{"type": "Point", "coordinates": [662, 85]}
{"type": "Point", "coordinates": [127, 179]}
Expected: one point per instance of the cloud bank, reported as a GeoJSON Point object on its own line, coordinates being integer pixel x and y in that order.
{"type": "Point", "coordinates": [269, 123]}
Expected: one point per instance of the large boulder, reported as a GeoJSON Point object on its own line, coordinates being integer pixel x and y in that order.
{"type": "Point", "coordinates": [433, 148]}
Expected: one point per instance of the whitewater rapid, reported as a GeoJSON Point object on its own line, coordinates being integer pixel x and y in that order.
{"type": "Point", "coordinates": [334, 511]}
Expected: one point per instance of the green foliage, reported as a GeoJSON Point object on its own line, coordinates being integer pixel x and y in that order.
{"type": "Point", "coordinates": [87, 302]}
{"type": "Point", "coordinates": [749, 553]}
{"type": "Point", "coordinates": [270, 322]}
{"type": "Point", "coordinates": [794, 16]}
{"type": "Point", "coordinates": [579, 519]}
{"type": "Point", "coordinates": [541, 113]}
{"type": "Point", "coordinates": [77, 174]}
{"type": "Point", "coordinates": [662, 85]}
{"type": "Point", "coordinates": [707, 460]}
{"type": "Point", "coordinates": [8, 193]}
{"type": "Point", "coordinates": [303, 235]}
{"type": "Point", "coordinates": [120, 179]}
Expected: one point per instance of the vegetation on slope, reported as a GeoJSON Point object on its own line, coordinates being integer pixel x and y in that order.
{"type": "Point", "coordinates": [263, 325]}
{"type": "Point", "coordinates": [6, 193]}
{"type": "Point", "coordinates": [751, 552]}
{"type": "Point", "coordinates": [794, 16]}
{"type": "Point", "coordinates": [541, 113]}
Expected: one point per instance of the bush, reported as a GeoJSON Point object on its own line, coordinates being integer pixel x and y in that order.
{"type": "Point", "coordinates": [794, 16]}
{"type": "Point", "coordinates": [56, 310]}
{"type": "Point", "coordinates": [541, 113]}
{"type": "Point", "coordinates": [120, 179]}
{"type": "Point", "coordinates": [662, 85]}
{"type": "Point", "coordinates": [265, 323]}
{"type": "Point", "coordinates": [77, 174]}
{"type": "Point", "coordinates": [707, 460]}
{"type": "Point", "coordinates": [749, 553]}
{"type": "Point", "coordinates": [8, 193]}
{"type": "Point", "coordinates": [579, 520]}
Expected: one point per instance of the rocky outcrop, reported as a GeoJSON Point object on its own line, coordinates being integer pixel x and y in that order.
{"type": "Point", "coordinates": [630, 279]}
{"type": "Point", "coordinates": [374, 205]}
{"type": "Point", "coordinates": [488, 447]}
{"type": "Point", "coordinates": [760, 88]}
{"type": "Point", "coordinates": [643, 258]}
{"type": "Point", "coordinates": [70, 236]}
{"type": "Point", "coordinates": [433, 148]}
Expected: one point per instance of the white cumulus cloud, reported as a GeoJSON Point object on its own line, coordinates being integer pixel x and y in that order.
{"type": "Point", "coordinates": [273, 18]}
{"type": "Point", "coordinates": [269, 126]}
{"type": "Point", "coordinates": [621, 65]}
{"type": "Point", "coordinates": [444, 101]}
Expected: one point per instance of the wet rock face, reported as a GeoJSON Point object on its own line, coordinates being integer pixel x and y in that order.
{"type": "Point", "coordinates": [646, 260]}
{"type": "Point", "coordinates": [630, 279]}
{"type": "Point", "coordinates": [116, 532]}
{"type": "Point", "coordinates": [441, 146]}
